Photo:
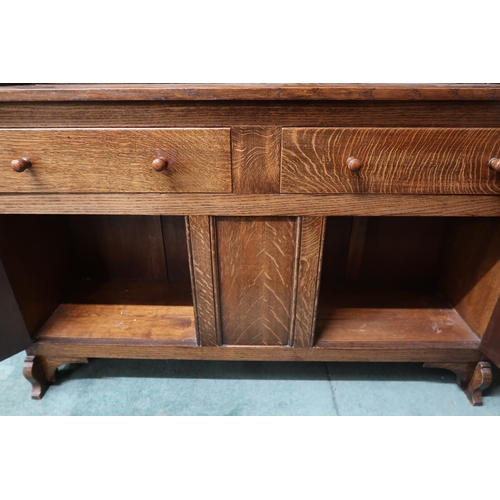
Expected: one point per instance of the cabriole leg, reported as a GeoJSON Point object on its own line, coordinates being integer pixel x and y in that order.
{"type": "Point", "coordinates": [473, 378]}
{"type": "Point", "coordinates": [40, 372]}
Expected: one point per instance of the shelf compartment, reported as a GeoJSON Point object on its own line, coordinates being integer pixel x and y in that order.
{"type": "Point", "coordinates": [100, 279]}
{"type": "Point", "coordinates": [375, 317]}
{"type": "Point", "coordinates": [125, 309]}
{"type": "Point", "coordinates": [408, 282]}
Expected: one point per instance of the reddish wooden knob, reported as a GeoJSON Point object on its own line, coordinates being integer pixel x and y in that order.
{"type": "Point", "coordinates": [354, 164]}
{"type": "Point", "coordinates": [494, 163]}
{"type": "Point", "coordinates": [160, 164]}
{"type": "Point", "coordinates": [20, 165]}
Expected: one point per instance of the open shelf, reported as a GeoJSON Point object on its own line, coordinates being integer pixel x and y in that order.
{"type": "Point", "coordinates": [376, 316]}
{"type": "Point", "coordinates": [101, 279]}
{"type": "Point", "coordinates": [125, 309]}
{"type": "Point", "coordinates": [408, 282]}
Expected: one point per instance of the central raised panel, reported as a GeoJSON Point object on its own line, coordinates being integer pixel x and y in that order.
{"type": "Point", "coordinates": [256, 261]}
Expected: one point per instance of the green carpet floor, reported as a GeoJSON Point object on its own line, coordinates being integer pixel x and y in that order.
{"type": "Point", "coordinates": [144, 387]}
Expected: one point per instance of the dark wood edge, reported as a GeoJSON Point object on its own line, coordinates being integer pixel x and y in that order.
{"type": "Point", "coordinates": [192, 277]}
{"type": "Point", "coordinates": [386, 345]}
{"type": "Point", "coordinates": [295, 280]}
{"type": "Point", "coordinates": [252, 205]}
{"type": "Point", "coordinates": [206, 92]}
{"type": "Point", "coordinates": [253, 353]}
{"type": "Point", "coordinates": [318, 282]}
{"type": "Point", "coordinates": [214, 252]}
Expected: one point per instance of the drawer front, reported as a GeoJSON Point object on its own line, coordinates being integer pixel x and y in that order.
{"type": "Point", "coordinates": [390, 160]}
{"type": "Point", "coordinates": [116, 160]}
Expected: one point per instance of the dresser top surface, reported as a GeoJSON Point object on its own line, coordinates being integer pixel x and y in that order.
{"type": "Point", "coordinates": [258, 92]}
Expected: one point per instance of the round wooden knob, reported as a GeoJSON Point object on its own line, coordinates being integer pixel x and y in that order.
{"type": "Point", "coordinates": [354, 164]}
{"type": "Point", "coordinates": [20, 165]}
{"type": "Point", "coordinates": [494, 163]}
{"type": "Point", "coordinates": [160, 164]}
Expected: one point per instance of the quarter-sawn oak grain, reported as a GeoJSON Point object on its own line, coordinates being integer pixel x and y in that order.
{"type": "Point", "coordinates": [116, 160]}
{"type": "Point", "coordinates": [254, 229]}
{"type": "Point", "coordinates": [256, 270]}
{"type": "Point", "coordinates": [400, 161]}
{"type": "Point", "coordinates": [256, 159]}
{"type": "Point", "coordinates": [200, 246]}
{"type": "Point", "coordinates": [312, 233]}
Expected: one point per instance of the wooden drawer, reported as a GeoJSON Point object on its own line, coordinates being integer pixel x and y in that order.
{"type": "Point", "coordinates": [393, 160]}
{"type": "Point", "coordinates": [116, 160]}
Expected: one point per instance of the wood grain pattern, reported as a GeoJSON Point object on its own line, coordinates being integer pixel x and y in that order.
{"type": "Point", "coordinates": [124, 309]}
{"type": "Point", "coordinates": [469, 270]}
{"type": "Point", "coordinates": [256, 159]}
{"type": "Point", "coordinates": [252, 205]}
{"type": "Point", "coordinates": [310, 251]}
{"type": "Point", "coordinates": [401, 317]}
{"type": "Point", "coordinates": [174, 324]}
{"type": "Point", "coordinates": [200, 247]}
{"type": "Point", "coordinates": [133, 349]}
{"type": "Point", "coordinates": [256, 269]}
{"type": "Point", "coordinates": [401, 161]}
{"type": "Point", "coordinates": [287, 91]}
{"type": "Point", "coordinates": [116, 160]}
{"type": "Point", "coordinates": [246, 113]}
{"type": "Point", "coordinates": [253, 246]}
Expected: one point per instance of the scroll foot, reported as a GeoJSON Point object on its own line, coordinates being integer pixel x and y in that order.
{"type": "Point", "coordinates": [473, 378]}
{"type": "Point", "coordinates": [40, 372]}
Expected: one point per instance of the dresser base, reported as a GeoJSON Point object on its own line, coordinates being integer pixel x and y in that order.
{"type": "Point", "coordinates": [473, 375]}
{"type": "Point", "coordinates": [328, 223]}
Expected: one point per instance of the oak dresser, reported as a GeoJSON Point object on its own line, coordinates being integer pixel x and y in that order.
{"type": "Point", "coordinates": [251, 222]}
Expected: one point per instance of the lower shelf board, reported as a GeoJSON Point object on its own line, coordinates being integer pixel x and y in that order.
{"type": "Point", "coordinates": [133, 349]}
{"type": "Point", "coordinates": [156, 319]}
{"type": "Point", "coordinates": [114, 310]}
{"type": "Point", "coordinates": [380, 318]}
